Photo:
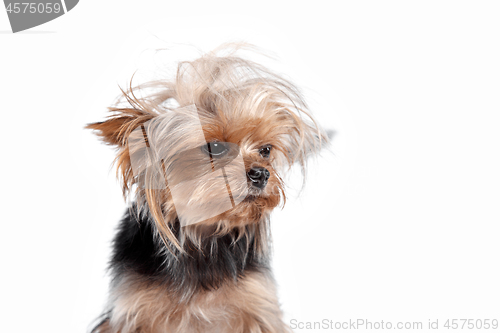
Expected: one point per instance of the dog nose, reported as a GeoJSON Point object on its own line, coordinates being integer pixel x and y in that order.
{"type": "Point", "coordinates": [258, 176]}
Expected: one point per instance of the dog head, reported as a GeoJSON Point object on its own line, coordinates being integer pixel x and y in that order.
{"type": "Point", "coordinates": [208, 148]}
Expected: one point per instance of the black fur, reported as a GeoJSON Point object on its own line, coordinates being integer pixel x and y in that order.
{"type": "Point", "coordinates": [136, 249]}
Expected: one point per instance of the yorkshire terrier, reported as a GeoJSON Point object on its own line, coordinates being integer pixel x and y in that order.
{"type": "Point", "coordinates": [202, 154]}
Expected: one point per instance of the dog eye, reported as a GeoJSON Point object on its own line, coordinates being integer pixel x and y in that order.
{"type": "Point", "coordinates": [215, 149]}
{"type": "Point", "coordinates": [265, 151]}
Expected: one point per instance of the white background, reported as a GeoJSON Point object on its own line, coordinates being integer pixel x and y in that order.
{"type": "Point", "coordinates": [399, 218]}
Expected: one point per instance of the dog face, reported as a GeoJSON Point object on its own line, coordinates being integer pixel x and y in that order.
{"type": "Point", "coordinates": [208, 148]}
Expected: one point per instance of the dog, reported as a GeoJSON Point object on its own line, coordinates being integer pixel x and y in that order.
{"type": "Point", "coordinates": [202, 155]}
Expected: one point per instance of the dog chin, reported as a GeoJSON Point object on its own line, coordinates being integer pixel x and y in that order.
{"type": "Point", "coordinates": [254, 194]}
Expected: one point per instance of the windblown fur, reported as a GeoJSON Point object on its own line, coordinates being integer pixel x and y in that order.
{"type": "Point", "coordinates": [207, 274]}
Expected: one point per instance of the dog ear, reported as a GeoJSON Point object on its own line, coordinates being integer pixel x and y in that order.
{"type": "Point", "coordinates": [306, 138]}
{"type": "Point", "coordinates": [116, 129]}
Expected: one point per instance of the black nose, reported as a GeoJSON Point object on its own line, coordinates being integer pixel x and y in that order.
{"type": "Point", "coordinates": [258, 176]}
